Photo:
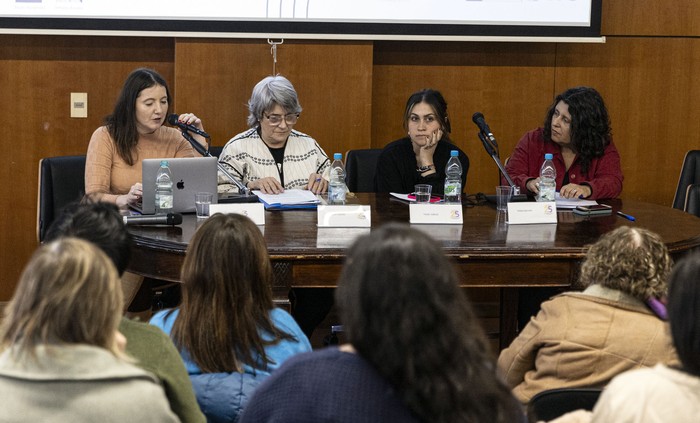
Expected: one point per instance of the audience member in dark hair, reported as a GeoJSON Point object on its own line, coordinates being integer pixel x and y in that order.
{"type": "Point", "coordinates": [227, 328]}
{"type": "Point", "coordinates": [101, 224]}
{"type": "Point", "coordinates": [584, 339]}
{"type": "Point", "coordinates": [577, 132]}
{"type": "Point", "coordinates": [420, 157]}
{"type": "Point", "coordinates": [415, 353]}
{"type": "Point", "coordinates": [62, 358]}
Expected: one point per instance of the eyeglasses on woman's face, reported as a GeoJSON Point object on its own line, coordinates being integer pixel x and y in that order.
{"type": "Point", "coordinates": [289, 118]}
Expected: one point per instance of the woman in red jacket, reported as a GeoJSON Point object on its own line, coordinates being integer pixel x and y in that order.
{"type": "Point", "coordinates": [577, 132]}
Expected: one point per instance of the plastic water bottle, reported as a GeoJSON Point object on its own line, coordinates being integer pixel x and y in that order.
{"type": "Point", "coordinates": [548, 179]}
{"type": "Point", "coordinates": [453, 180]}
{"type": "Point", "coordinates": [337, 187]}
{"type": "Point", "coordinates": [164, 189]}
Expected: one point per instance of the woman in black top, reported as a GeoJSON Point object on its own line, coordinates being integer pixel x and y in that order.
{"type": "Point", "coordinates": [421, 157]}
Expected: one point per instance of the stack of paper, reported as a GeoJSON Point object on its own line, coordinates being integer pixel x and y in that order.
{"type": "Point", "coordinates": [289, 199]}
{"type": "Point", "coordinates": [572, 203]}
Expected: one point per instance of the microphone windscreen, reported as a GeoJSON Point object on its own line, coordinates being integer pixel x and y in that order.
{"type": "Point", "coordinates": [174, 219]}
{"type": "Point", "coordinates": [476, 117]}
{"type": "Point", "coordinates": [172, 119]}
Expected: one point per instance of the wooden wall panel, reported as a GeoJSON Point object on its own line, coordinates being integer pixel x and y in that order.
{"type": "Point", "coordinates": [334, 82]}
{"type": "Point", "coordinates": [511, 84]}
{"type": "Point", "coordinates": [37, 75]}
{"type": "Point", "coordinates": [651, 90]}
{"type": "Point", "coordinates": [651, 17]}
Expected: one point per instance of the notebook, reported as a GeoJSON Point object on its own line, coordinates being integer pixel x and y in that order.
{"type": "Point", "coordinates": [190, 176]}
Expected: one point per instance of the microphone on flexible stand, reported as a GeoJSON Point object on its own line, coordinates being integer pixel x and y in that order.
{"type": "Point", "coordinates": [156, 219]}
{"type": "Point", "coordinates": [173, 120]}
{"type": "Point", "coordinates": [244, 195]}
{"type": "Point", "coordinates": [491, 146]}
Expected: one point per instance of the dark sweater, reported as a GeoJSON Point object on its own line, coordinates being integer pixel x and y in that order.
{"type": "Point", "coordinates": [396, 167]}
{"type": "Point", "coordinates": [326, 386]}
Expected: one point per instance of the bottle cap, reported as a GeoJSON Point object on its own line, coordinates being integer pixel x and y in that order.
{"type": "Point", "coordinates": [548, 156]}
{"type": "Point", "coordinates": [454, 153]}
{"type": "Point", "coordinates": [338, 156]}
{"type": "Point", "coordinates": [164, 163]}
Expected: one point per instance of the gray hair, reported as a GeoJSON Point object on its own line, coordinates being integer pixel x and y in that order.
{"type": "Point", "coordinates": [268, 92]}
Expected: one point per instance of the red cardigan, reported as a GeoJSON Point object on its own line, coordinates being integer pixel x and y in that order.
{"type": "Point", "coordinates": [604, 173]}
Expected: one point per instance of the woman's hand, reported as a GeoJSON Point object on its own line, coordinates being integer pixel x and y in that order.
{"type": "Point", "coordinates": [132, 197]}
{"type": "Point", "coordinates": [427, 150]}
{"type": "Point", "coordinates": [317, 184]}
{"type": "Point", "coordinates": [533, 185]}
{"type": "Point", "coordinates": [267, 185]}
{"type": "Point", "coordinates": [575, 191]}
{"type": "Point", "coordinates": [191, 119]}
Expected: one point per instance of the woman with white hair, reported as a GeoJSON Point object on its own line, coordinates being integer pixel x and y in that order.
{"type": "Point", "coordinates": [272, 156]}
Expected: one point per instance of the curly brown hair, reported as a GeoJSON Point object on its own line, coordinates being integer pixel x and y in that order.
{"type": "Point", "coordinates": [631, 260]}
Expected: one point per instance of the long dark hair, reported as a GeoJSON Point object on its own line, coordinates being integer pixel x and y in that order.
{"type": "Point", "coordinates": [684, 311]}
{"type": "Point", "coordinates": [121, 124]}
{"type": "Point", "coordinates": [404, 312]}
{"type": "Point", "coordinates": [226, 296]}
{"type": "Point", "coordinates": [590, 123]}
{"type": "Point", "coordinates": [435, 100]}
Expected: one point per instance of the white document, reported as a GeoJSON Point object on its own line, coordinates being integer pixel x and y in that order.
{"type": "Point", "coordinates": [572, 203]}
{"type": "Point", "coordinates": [288, 197]}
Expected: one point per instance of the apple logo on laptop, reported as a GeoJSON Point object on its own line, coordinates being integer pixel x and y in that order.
{"type": "Point", "coordinates": [180, 185]}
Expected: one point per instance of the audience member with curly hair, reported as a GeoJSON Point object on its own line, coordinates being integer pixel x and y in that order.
{"type": "Point", "coordinates": [577, 132]}
{"type": "Point", "coordinates": [584, 339]}
{"type": "Point", "coordinates": [416, 351]}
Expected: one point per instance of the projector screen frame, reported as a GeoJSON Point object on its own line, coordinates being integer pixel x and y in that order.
{"type": "Point", "coordinates": [295, 29]}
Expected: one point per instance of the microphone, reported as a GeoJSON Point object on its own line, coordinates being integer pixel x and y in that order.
{"type": "Point", "coordinates": [156, 219]}
{"type": "Point", "coordinates": [172, 119]}
{"type": "Point", "coordinates": [478, 119]}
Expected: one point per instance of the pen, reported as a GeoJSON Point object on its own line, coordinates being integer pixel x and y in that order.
{"type": "Point", "coordinates": [626, 216]}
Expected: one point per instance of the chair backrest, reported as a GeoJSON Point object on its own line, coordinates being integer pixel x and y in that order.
{"type": "Point", "coordinates": [690, 174]}
{"type": "Point", "coordinates": [692, 200]}
{"type": "Point", "coordinates": [550, 404]}
{"type": "Point", "coordinates": [360, 168]}
{"type": "Point", "coordinates": [61, 182]}
{"type": "Point", "coordinates": [215, 150]}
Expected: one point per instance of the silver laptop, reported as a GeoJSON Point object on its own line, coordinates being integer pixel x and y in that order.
{"type": "Point", "coordinates": [190, 176]}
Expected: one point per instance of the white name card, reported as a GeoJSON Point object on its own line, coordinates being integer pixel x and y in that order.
{"type": "Point", "coordinates": [346, 216]}
{"type": "Point", "coordinates": [255, 211]}
{"type": "Point", "coordinates": [450, 214]}
{"type": "Point", "coordinates": [532, 212]}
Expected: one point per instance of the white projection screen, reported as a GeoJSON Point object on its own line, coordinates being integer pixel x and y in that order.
{"type": "Point", "coordinates": [316, 19]}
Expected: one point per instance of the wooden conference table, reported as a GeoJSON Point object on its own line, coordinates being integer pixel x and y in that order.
{"type": "Point", "coordinates": [487, 251]}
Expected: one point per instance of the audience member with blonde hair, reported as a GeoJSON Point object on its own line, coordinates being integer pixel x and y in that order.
{"type": "Point", "coordinates": [228, 331]}
{"type": "Point", "coordinates": [416, 352]}
{"type": "Point", "coordinates": [62, 357]}
{"type": "Point", "coordinates": [584, 339]}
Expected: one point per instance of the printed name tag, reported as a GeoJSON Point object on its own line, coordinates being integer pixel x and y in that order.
{"type": "Point", "coordinates": [255, 211]}
{"type": "Point", "coordinates": [353, 216]}
{"type": "Point", "coordinates": [450, 214]}
{"type": "Point", "coordinates": [532, 212]}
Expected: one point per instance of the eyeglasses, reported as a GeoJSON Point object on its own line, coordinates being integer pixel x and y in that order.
{"type": "Point", "coordinates": [290, 118]}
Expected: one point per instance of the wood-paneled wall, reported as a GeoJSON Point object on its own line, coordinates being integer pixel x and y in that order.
{"type": "Point", "coordinates": [353, 94]}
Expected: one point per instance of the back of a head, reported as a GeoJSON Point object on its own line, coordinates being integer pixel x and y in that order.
{"type": "Point", "coordinates": [269, 91]}
{"type": "Point", "coordinates": [684, 311]}
{"type": "Point", "coordinates": [631, 260]}
{"type": "Point", "coordinates": [69, 293]}
{"type": "Point", "coordinates": [226, 293]}
{"type": "Point", "coordinates": [99, 223]}
{"type": "Point", "coordinates": [403, 310]}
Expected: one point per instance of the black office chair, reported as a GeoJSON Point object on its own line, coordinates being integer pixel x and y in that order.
{"type": "Point", "coordinates": [215, 150]}
{"type": "Point", "coordinates": [61, 182]}
{"type": "Point", "coordinates": [360, 168]}
{"type": "Point", "coordinates": [690, 174]}
{"type": "Point", "coordinates": [692, 200]}
{"type": "Point", "coordinates": [553, 403]}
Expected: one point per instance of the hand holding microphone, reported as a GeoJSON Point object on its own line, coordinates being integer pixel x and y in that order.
{"type": "Point", "coordinates": [174, 119]}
